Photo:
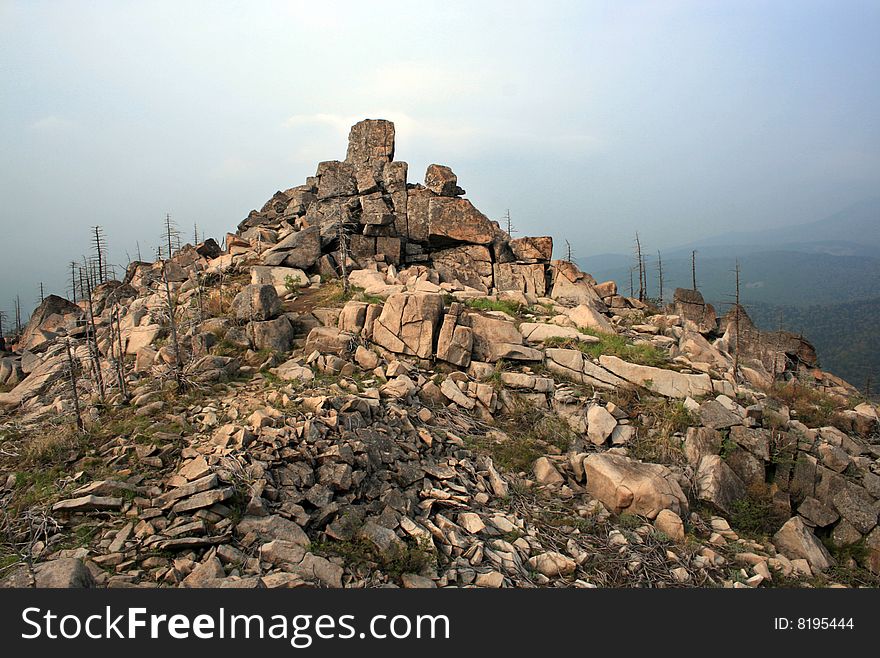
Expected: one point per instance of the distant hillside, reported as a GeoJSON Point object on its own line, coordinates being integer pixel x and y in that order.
{"type": "Point", "coordinates": [846, 335]}
{"type": "Point", "coordinates": [771, 277]}
{"type": "Point", "coordinates": [857, 226]}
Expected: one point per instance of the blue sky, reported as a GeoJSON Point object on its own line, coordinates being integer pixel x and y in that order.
{"type": "Point", "coordinates": [588, 120]}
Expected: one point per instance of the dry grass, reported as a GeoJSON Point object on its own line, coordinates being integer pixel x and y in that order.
{"type": "Point", "coordinates": [812, 407]}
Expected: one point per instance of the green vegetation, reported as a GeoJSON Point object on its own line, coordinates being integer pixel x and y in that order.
{"type": "Point", "coordinates": [614, 345]}
{"type": "Point", "coordinates": [756, 515]}
{"type": "Point", "coordinates": [505, 306]}
{"type": "Point", "coordinates": [844, 334]}
{"type": "Point", "coordinates": [291, 285]}
{"type": "Point", "coordinates": [655, 440]}
{"type": "Point", "coordinates": [413, 557]}
{"type": "Point", "coordinates": [528, 433]}
{"type": "Point", "coordinates": [813, 407]}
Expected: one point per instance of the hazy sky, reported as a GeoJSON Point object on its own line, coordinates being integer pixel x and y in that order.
{"type": "Point", "coordinates": [588, 120]}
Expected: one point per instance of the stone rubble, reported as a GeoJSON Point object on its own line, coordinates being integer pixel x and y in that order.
{"type": "Point", "coordinates": [371, 439]}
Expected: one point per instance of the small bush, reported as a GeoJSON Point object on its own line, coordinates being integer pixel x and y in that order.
{"type": "Point", "coordinates": [756, 514]}
{"type": "Point", "coordinates": [812, 407]}
{"type": "Point", "coordinates": [666, 418]}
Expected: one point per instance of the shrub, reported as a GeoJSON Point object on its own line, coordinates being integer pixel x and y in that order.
{"type": "Point", "coordinates": [813, 407]}
{"type": "Point", "coordinates": [756, 514]}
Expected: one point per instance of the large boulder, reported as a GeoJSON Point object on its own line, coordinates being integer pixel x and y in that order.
{"type": "Point", "coordinates": [469, 265]}
{"type": "Point", "coordinates": [408, 323]}
{"type": "Point", "coordinates": [717, 484]}
{"type": "Point", "coordinates": [625, 485]}
{"type": "Point", "coordinates": [51, 315]}
{"type": "Point", "coordinates": [274, 335]}
{"type": "Point", "coordinates": [455, 342]}
{"type": "Point", "coordinates": [300, 249]}
{"type": "Point", "coordinates": [532, 249]}
{"type": "Point", "coordinates": [283, 279]}
{"type": "Point", "coordinates": [571, 286]}
{"type": "Point", "coordinates": [584, 315]}
{"type": "Point", "coordinates": [796, 540]}
{"type": "Point", "coordinates": [256, 302]}
{"type": "Point", "coordinates": [335, 179]}
{"type": "Point", "coordinates": [668, 383]}
{"type": "Point", "coordinates": [370, 142]}
{"type": "Point", "coordinates": [329, 340]}
{"type": "Point", "coordinates": [441, 181]}
{"type": "Point", "coordinates": [526, 278]}
{"type": "Point", "coordinates": [691, 307]}
{"type": "Point", "coordinates": [577, 366]}
{"type": "Point", "coordinates": [452, 220]}
{"type": "Point", "coordinates": [63, 573]}
{"type": "Point", "coordinates": [495, 338]}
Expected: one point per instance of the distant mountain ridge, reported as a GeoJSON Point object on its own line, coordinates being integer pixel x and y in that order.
{"type": "Point", "coordinates": [820, 277]}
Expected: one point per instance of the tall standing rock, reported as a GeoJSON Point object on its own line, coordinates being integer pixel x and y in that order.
{"type": "Point", "coordinates": [408, 323]}
{"type": "Point", "coordinates": [370, 142]}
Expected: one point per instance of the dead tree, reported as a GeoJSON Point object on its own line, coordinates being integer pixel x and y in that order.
{"type": "Point", "coordinates": [171, 307]}
{"type": "Point", "coordinates": [510, 229]}
{"type": "Point", "coordinates": [195, 233]}
{"type": "Point", "coordinates": [73, 276]}
{"type": "Point", "coordinates": [92, 339]}
{"type": "Point", "coordinates": [342, 235]}
{"type": "Point", "coordinates": [171, 236]}
{"type": "Point", "coordinates": [138, 245]}
{"type": "Point", "coordinates": [116, 350]}
{"type": "Point", "coordinates": [42, 293]}
{"type": "Point", "coordinates": [567, 251]}
{"type": "Point", "coordinates": [3, 318]}
{"type": "Point", "coordinates": [71, 368]}
{"type": "Point", "coordinates": [17, 317]}
{"type": "Point", "coordinates": [694, 269]}
{"type": "Point", "coordinates": [660, 278]}
{"type": "Point", "coordinates": [631, 291]}
{"type": "Point", "coordinates": [736, 321]}
{"type": "Point", "coordinates": [99, 247]}
{"type": "Point", "coordinates": [641, 265]}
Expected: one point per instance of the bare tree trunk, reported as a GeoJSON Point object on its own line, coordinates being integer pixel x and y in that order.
{"type": "Point", "coordinates": [75, 394]}
{"type": "Point", "coordinates": [73, 281]}
{"type": "Point", "coordinates": [96, 353]}
{"type": "Point", "coordinates": [343, 256]}
{"type": "Point", "coordinates": [736, 320]}
{"type": "Point", "coordinates": [660, 277]}
{"type": "Point", "coordinates": [178, 370]}
{"type": "Point", "coordinates": [694, 269]}
{"type": "Point", "coordinates": [510, 229]}
{"type": "Point", "coordinates": [122, 385]}
{"type": "Point", "coordinates": [641, 264]}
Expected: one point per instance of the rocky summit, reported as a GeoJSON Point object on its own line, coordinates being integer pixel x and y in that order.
{"type": "Point", "coordinates": [372, 384]}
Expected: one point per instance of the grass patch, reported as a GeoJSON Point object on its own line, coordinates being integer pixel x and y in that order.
{"type": "Point", "coordinates": [530, 432]}
{"type": "Point", "coordinates": [755, 515]}
{"type": "Point", "coordinates": [413, 557]}
{"type": "Point", "coordinates": [505, 306]}
{"type": "Point", "coordinates": [666, 418]}
{"type": "Point", "coordinates": [613, 345]}
{"type": "Point", "coordinates": [813, 407]}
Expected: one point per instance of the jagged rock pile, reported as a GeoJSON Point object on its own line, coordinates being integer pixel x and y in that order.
{"type": "Point", "coordinates": [357, 439]}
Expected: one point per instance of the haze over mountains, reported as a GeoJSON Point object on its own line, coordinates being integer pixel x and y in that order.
{"type": "Point", "coordinates": [820, 278]}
